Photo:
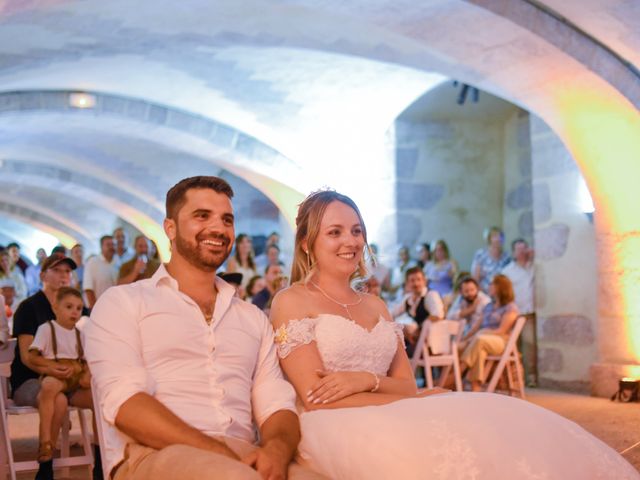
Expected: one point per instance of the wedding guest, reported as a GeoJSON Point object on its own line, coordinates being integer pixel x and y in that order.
{"type": "Point", "coordinates": [441, 269]}
{"type": "Point", "coordinates": [490, 260]}
{"type": "Point", "coordinates": [242, 260]}
{"type": "Point", "coordinates": [498, 318]}
{"type": "Point", "coordinates": [424, 255]}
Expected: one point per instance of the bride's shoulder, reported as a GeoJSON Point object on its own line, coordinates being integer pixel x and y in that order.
{"type": "Point", "coordinates": [377, 305]}
{"type": "Point", "coordinates": [291, 302]}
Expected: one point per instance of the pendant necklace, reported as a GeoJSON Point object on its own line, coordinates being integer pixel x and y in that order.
{"type": "Point", "coordinates": [343, 305]}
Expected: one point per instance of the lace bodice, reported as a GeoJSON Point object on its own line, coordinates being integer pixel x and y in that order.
{"type": "Point", "coordinates": [343, 344]}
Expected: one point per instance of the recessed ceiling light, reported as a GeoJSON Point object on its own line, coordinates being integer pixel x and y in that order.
{"type": "Point", "coordinates": [82, 100]}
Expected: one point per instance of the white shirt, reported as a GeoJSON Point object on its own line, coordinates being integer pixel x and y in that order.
{"type": "Point", "coordinates": [432, 302]}
{"type": "Point", "coordinates": [100, 274]}
{"type": "Point", "coordinates": [522, 279]}
{"type": "Point", "coordinates": [66, 341]}
{"type": "Point", "coordinates": [150, 337]}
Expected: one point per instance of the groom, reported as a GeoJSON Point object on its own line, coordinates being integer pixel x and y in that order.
{"type": "Point", "coordinates": [183, 369]}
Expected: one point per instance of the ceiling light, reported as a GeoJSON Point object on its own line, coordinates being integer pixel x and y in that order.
{"type": "Point", "coordinates": [82, 100]}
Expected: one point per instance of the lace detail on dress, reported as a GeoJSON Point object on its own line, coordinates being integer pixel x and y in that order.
{"type": "Point", "coordinates": [399, 331]}
{"type": "Point", "coordinates": [294, 334]}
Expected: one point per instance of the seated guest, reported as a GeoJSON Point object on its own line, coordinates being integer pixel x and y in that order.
{"type": "Point", "coordinates": [469, 307]}
{"type": "Point", "coordinates": [275, 281]}
{"type": "Point", "coordinates": [441, 269]}
{"type": "Point", "coordinates": [8, 291]}
{"type": "Point", "coordinates": [235, 280]}
{"type": "Point", "coordinates": [372, 286]}
{"type": "Point", "coordinates": [424, 255]}
{"type": "Point", "coordinates": [141, 266]}
{"type": "Point", "coordinates": [242, 260]}
{"type": "Point", "coordinates": [499, 317]}
{"type": "Point", "coordinates": [420, 304]}
{"type": "Point", "coordinates": [490, 260]}
{"type": "Point", "coordinates": [255, 285]}
{"type": "Point", "coordinates": [57, 344]}
{"type": "Point", "coordinates": [4, 322]}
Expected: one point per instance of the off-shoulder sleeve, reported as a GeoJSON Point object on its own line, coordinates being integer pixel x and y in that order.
{"type": "Point", "coordinates": [294, 334]}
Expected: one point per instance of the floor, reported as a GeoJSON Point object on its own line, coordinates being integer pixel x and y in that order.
{"type": "Point", "coordinates": [617, 424]}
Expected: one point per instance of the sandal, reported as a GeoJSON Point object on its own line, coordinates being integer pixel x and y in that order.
{"type": "Point", "coordinates": [45, 452]}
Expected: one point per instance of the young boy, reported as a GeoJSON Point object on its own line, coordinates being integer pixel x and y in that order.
{"type": "Point", "coordinates": [58, 341]}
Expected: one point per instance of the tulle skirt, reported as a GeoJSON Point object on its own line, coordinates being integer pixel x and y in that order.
{"type": "Point", "coordinates": [471, 436]}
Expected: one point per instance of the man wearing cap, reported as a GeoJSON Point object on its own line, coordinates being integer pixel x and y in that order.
{"type": "Point", "coordinates": [33, 312]}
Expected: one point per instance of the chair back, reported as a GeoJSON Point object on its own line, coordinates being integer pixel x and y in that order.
{"type": "Point", "coordinates": [440, 335]}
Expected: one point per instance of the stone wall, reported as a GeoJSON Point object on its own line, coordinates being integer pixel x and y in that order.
{"type": "Point", "coordinates": [449, 183]}
{"type": "Point", "coordinates": [566, 287]}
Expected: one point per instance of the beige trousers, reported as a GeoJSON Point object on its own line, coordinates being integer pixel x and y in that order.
{"type": "Point", "coordinates": [181, 462]}
{"type": "Point", "coordinates": [475, 355]}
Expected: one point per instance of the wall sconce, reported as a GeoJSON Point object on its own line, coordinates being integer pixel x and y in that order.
{"type": "Point", "coordinates": [627, 390]}
{"type": "Point", "coordinates": [82, 100]}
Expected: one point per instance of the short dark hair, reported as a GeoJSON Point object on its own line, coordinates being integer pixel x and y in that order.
{"type": "Point", "coordinates": [518, 240]}
{"type": "Point", "coordinates": [175, 196]}
{"type": "Point", "coordinates": [266, 269]}
{"type": "Point", "coordinates": [413, 271]}
{"type": "Point", "coordinates": [469, 279]}
{"type": "Point", "coordinates": [105, 237]}
{"type": "Point", "coordinates": [64, 291]}
{"type": "Point", "coordinates": [13, 244]}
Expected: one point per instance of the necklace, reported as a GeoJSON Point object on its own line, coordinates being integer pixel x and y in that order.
{"type": "Point", "coordinates": [343, 305]}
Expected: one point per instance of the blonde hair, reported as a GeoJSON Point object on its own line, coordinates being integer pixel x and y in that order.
{"type": "Point", "coordinates": [310, 213]}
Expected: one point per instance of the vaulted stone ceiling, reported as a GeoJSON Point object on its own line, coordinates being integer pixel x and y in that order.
{"type": "Point", "coordinates": [287, 95]}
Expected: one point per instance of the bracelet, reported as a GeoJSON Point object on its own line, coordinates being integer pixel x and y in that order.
{"type": "Point", "coordinates": [377, 385]}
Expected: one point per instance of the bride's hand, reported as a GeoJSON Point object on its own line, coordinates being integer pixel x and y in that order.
{"type": "Point", "coordinates": [334, 386]}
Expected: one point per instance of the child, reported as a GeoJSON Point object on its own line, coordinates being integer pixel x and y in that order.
{"type": "Point", "coordinates": [58, 341]}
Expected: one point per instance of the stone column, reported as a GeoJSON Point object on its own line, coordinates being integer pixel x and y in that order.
{"type": "Point", "coordinates": [618, 309]}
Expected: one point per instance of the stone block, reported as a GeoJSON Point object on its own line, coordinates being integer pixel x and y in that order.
{"type": "Point", "coordinates": [524, 162]}
{"type": "Point", "coordinates": [223, 136]}
{"type": "Point", "coordinates": [551, 242]}
{"type": "Point", "coordinates": [418, 196]}
{"type": "Point", "coordinates": [525, 224]}
{"type": "Point", "coordinates": [137, 110]}
{"type": "Point", "coordinates": [550, 360]}
{"type": "Point", "coordinates": [541, 203]}
{"type": "Point", "coordinates": [409, 228]}
{"type": "Point", "coordinates": [520, 197]}
{"type": "Point", "coordinates": [569, 329]}
{"type": "Point", "coordinates": [550, 157]}
{"type": "Point", "coordinates": [406, 162]}
{"type": "Point", "coordinates": [179, 120]}
{"type": "Point", "coordinates": [116, 105]}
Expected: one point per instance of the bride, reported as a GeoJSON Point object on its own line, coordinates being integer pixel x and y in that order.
{"type": "Point", "coordinates": [340, 348]}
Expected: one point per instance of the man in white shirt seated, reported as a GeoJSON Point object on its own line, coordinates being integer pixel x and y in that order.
{"type": "Point", "coordinates": [468, 307]}
{"type": "Point", "coordinates": [185, 372]}
{"type": "Point", "coordinates": [419, 304]}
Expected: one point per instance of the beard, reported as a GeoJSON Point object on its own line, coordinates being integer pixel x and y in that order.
{"type": "Point", "coordinates": [470, 299]}
{"type": "Point", "coordinates": [198, 257]}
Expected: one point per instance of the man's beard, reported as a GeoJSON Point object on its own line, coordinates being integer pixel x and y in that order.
{"type": "Point", "coordinates": [472, 299]}
{"type": "Point", "coordinates": [204, 261]}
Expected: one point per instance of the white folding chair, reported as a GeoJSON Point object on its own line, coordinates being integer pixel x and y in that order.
{"type": "Point", "coordinates": [442, 337]}
{"type": "Point", "coordinates": [97, 412]}
{"type": "Point", "coordinates": [510, 358]}
{"type": "Point", "coordinates": [7, 408]}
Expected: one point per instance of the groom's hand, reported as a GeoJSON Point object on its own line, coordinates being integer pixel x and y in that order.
{"type": "Point", "coordinates": [271, 461]}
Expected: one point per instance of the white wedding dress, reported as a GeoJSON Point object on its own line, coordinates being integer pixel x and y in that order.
{"type": "Point", "coordinates": [450, 436]}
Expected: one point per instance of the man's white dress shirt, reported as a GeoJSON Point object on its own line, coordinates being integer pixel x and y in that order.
{"type": "Point", "coordinates": [99, 274]}
{"type": "Point", "coordinates": [150, 337]}
{"type": "Point", "coordinates": [522, 279]}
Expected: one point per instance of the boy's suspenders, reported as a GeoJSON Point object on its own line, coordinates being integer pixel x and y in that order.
{"type": "Point", "coordinates": [54, 342]}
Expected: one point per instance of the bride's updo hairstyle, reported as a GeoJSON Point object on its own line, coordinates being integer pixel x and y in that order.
{"type": "Point", "coordinates": [310, 213]}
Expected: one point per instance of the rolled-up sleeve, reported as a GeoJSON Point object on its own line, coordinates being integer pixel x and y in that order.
{"type": "Point", "coordinates": [434, 305]}
{"type": "Point", "coordinates": [113, 349]}
{"type": "Point", "coordinates": [270, 392]}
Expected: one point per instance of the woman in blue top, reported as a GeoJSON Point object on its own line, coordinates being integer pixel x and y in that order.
{"type": "Point", "coordinates": [499, 317]}
{"type": "Point", "coordinates": [441, 270]}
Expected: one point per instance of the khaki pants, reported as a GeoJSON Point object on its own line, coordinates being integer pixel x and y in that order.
{"type": "Point", "coordinates": [475, 355]}
{"type": "Point", "coordinates": [181, 462]}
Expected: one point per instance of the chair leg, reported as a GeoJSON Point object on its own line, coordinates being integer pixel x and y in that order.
{"type": "Point", "coordinates": [520, 377]}
{"type": "Point", "coordinates": [7, 448]}
{"type": "Point", "coordinates": [457, 375]}
{"type": "Point", "coordinates": [510, 384]}
{"type": "Point", "coordinates": [65, 447]}
{"type": "Point", "coordinates": [444, 376]}
{"type": "Point", "coordinates": [86, 440]}
{"type": "Point", "coordinates": [428, 373]}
